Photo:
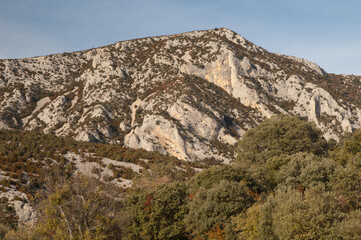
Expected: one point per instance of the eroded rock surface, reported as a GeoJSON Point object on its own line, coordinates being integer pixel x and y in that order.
{"type": "Point", "coordinates": [190, 95]}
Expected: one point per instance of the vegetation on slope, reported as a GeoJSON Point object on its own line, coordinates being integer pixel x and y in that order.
{"type": "Point", "coordinates": [287, 183]}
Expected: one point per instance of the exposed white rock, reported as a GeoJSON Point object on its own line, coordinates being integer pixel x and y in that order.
{"type": "Point", "coordinates": [87, 168]}
{"type": "Point", "coordinates": [289, 89]}
{"type": "Point", "coordinates": [143, 86]}
{"type": "Point", "coordinates": [157, 133]}
{"type": "Point", "coordinates": [40, 104]}
{"type": "Point", "coordinates": [83, 135]}
{"type": "Point", "coordinates": [123, 126]}
{"type": "Point", "coordinates": [135, 105]}
{"type": "Point", "coordinates": [226, 138]}
{"type": "Point", "coordinates": [24, 210]}
{"type": "Point", "coordinates": [195, 121]}
{"type": "Point", "coordinates": [3, 125]}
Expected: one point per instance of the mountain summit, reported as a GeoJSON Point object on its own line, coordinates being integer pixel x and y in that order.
{"type": "Point", "coordinates": [190, 95]}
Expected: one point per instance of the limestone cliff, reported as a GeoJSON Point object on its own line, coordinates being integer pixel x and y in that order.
{"type": "Point", "coordinates": [190, 95]}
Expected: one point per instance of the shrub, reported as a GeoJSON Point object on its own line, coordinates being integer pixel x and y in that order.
{"type": "Point", "coordinates": [212, 176]}
{"type": "Point", "coordinates": [215, 206]}
{"type": "Point", "coordinates": [346, 184]}
{"type": "Point", "coordinates": [348, 148]}
{"type": "Point", "coordinates": [305, 170]}
{"type": "Point", "coordinates": [83, 208]}
{"type": "Point", "coordinates": [158, 214]}
{"type": "Point", "coordinates": [350, 227]}
{"type": "Point", "coordinates": [247, 223]}
{"type": "Point", "coordinates": [292, 214]}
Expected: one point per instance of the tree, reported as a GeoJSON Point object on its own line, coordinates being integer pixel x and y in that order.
{"type": "Point", "coordinates": [159, 213]}
{"type": "Point", "coordinates": [348, 149]}
{"type": "Point", "coordinates": [291, 214]}
{"type": "Point", "coordinates": [350, 227]}
{"type": "Point", "coordinates": [213, 175]}
{"type": "Point", "coordinates": [247, 223]}
{"type": "Point", "coordinates": [346, 184]}
{"type": "Point", "coordinates": [83, 208]}
{"type": "Point", "coordinates": [279, 135]}
{"type": "Point", "coordinates": [215, 206]}
{"type": "Point", "coordinates": [304, 170]}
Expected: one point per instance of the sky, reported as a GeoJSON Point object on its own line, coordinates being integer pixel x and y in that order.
{"type": "Point", "coordinates": [327, 32]}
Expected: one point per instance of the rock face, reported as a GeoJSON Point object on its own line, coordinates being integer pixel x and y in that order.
{"type": "Point", "coordinates": [23, 208]}
{"type": "Point", "coordinates": [191, 95]}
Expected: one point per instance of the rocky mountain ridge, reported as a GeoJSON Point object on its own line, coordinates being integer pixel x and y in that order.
{"type": "Point", "coordinates": [190, 95]}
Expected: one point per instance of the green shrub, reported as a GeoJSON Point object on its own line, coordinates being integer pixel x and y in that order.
{"type": "Point", "coordinates": [207, 178]}
{"type": "Point", "coordinates": [305, 170]}
{"type": "Point", "coordinates": [294, 214]}
{"type": "Point", "coordinates": [158, 214]}
{"type": "Point", "coordinates": [209, 207]}
{"type": "Point", "coordinates": [348, 148]}
{"type": "Point", "coordinates": [346, 184]}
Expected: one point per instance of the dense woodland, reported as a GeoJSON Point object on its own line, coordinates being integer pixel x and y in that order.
{"type": "Point", "coordinates": [287, 182]}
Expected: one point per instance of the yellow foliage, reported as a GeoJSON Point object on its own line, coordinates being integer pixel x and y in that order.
{"type": "Point", "coordinates": [247, 223]}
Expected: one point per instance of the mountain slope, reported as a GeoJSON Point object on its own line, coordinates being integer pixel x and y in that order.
{"type": "Point", "coordinates": [33, 162]}
{"type": "Point", "coordinates": [191, 95]}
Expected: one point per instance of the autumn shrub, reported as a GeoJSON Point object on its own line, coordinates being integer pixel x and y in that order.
{"type": "Point", "coordinates": [247, 223]}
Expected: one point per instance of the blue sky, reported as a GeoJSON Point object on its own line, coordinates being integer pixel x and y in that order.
{"type": "Point", "coordinates": [327, 32]}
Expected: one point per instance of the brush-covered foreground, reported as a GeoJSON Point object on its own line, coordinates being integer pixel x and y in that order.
{"type": "Point", "coordinates": [287, 183]}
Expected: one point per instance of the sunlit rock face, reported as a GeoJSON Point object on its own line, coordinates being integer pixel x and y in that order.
{"type": "Point", "coordinates": [190, 95]}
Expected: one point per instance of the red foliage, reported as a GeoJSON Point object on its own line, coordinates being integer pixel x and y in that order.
{"type": "Point", "coordinates": [191, 196]}
{"type": "Point", "coordinates": [216, 233]}
{"type": "Point", "coordinates": [148, 203]}
{"type": "Point", "coordinates": [301, 190]}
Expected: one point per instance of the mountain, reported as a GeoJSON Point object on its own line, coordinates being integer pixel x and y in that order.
{"type": "Point", "coordinates": [190, 95]}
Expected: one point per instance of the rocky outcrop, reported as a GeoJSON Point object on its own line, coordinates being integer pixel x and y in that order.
{"type": "Point", "coordinates": [190, 95]}
{"type": "Point", "coordinates": [22, 206]}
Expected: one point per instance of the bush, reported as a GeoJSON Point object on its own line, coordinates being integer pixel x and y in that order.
{"type": "Point", "coordinates": [350, 227]}
{"type": "Point", "coordinates": [83, 208]}
{"type": "Point", "coordinates": [346, 184]}
{"type": "Point", "coordinates": [158, 214]}
{"type": "Point", "coordinates": [247, 223]}
{"type": "Point", "coordinates": [291, 214]}
{"type": "Point", "coordinates": [212, 176]}
{"type": "Point", "coordinates": [348, 148]}
{"type": "Point", "coordinates": [215, 206]}
{"type": "Point", "coordinates": [305, 170]}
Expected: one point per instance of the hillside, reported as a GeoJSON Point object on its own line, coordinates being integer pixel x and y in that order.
{"type": "Point", "coordinates": [190, 95]}
{"type": "Point", "coordinates": [287, 182]}
{"type": "Point", "coordinates": [29, 160]}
